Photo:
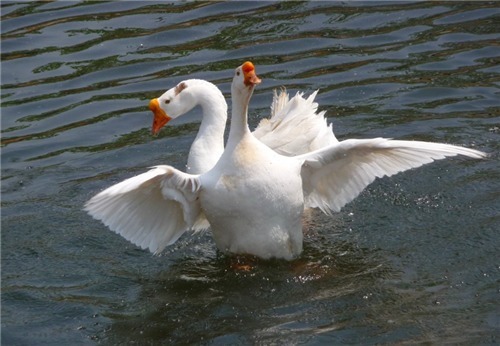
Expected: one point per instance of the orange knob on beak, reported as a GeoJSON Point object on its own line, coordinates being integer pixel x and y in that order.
{"type": "Point", "coordinates": [249, 74]}
{"type": "Point", "coordinates": [160, 118]}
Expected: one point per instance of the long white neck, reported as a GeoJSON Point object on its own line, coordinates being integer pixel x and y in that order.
{"type": "Point", "coordinates": [239, 118]}
{"type": "Point", "coordinates": [209, 142]}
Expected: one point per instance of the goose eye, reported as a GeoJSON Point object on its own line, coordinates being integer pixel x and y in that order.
{"type": "Point", "coordinates": [237, 73]}
{"type": "Point", "coordinates": [167, 102]}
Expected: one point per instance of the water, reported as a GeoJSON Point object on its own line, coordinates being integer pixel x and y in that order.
{"type": "Point", "coordinates": [414, 259]}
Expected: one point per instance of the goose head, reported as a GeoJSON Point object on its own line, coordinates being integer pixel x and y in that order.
{"type": "Point", "coordinates": [244, 80]}
{"type": "Point", "coordinates": [173, 103]}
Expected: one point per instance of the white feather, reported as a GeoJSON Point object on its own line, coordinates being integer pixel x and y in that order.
{"type": "Point", "coordinates": [295, 127]}
{"type": "Point", "coordinates": [334, 176]}
{"type": "Point", "coordinates": [151, 210]}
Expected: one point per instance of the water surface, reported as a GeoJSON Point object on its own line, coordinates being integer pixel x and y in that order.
{"type": "Point", "coordinates": [413, 259]}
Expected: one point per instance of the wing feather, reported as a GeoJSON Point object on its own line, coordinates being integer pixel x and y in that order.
{"type": "Point", "coordinates": [295, 127]}
{"type": "Point", "coordinates": [151, 210]}
{"type": "Point", "coordinates": [334, 176]}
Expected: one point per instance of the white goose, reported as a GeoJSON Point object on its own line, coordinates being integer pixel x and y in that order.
{"type": "Point", "coordinates": [294, 127]}
{"type": "Point", "coordinates": [253, 197]}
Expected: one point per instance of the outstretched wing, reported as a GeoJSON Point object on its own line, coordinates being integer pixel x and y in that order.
{"type": "Point", "coordinates": [151, 210]}
{"type": "Point", "coordinates": [334, 176]}
{"type": "Point", "coordinates": [295, 127]}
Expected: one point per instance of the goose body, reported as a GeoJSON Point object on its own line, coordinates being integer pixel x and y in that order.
{"type": "Point", "coordinates": [239, 224]}
{"type": "Point", "coordinates": [259, 192]}
{"type": "Point", "coordinates": [253, 198]}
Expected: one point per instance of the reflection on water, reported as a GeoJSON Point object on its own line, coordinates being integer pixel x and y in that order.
{"type": "Point", "coordinates": [411, 260]}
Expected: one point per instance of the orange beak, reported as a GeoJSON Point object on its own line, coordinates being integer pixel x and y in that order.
{"type": "Point", "coordinates": [160, 117]}
{"type": "Point", "coordinates": [249, 74]}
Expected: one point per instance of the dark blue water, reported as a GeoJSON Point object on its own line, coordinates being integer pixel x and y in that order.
{"type": "Point", "coordinates": [414, 259]}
